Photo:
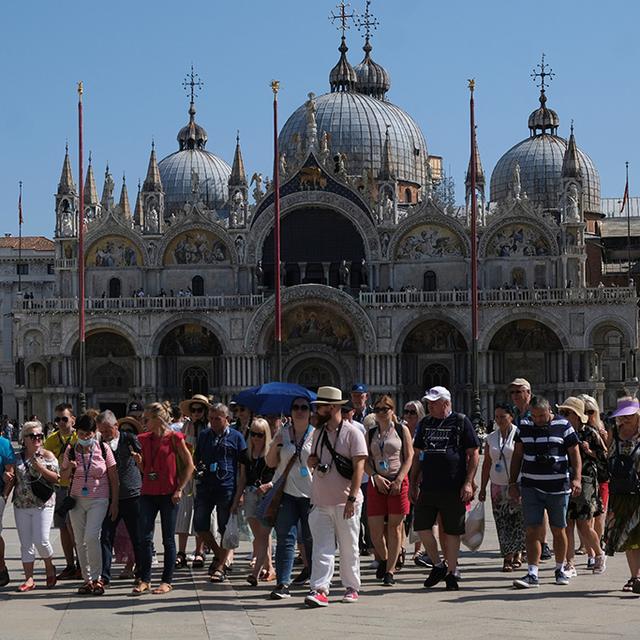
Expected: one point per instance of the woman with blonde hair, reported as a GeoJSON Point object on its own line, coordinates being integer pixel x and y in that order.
{"type": "Point", "coordinates": [166, 466]}
{"type": "Point", "coordinates": [33, 510]}
{"type": "Point", "coordinates": [623, 517]}
{"type": "Point", "coordinates": [255, 481]}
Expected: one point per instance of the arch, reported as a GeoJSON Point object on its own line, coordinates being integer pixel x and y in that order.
{"type": "Point", "coordinates": [458, 320]}
{"type": "Point", "coordinates": [434, 336]}
{"type": "Point", "coordinates": [518, 236]}
{"type": "Point", "coordinates": [196, 247]}
{"type": "Point", "coordinates": [96, 325]}
{"type": "Point", "coordinates": [407, 195]}
{"type": "Point", "coordinates": [430, 281]}
{"type": "Point", "coordinates": [112, 377]}
{"type": "Point", "coordinates": [194, 380]}
{"type": "Point", "coordinates": [532, 315]}
{"type": "Point", "coordinates": [593, 330]}
{"type": "Point", "coordinates": [115, 287]}
{"type": "Point", "coordinates": [179, 319]}
{"type": "Point", "coordinates": [36, 376]}
{"type": "Point", "coordinates": [329, 359]}
{"type": "Point", "coordinates": [436, 374]}
{"type": "Point", "coordinates": [114, 252]}
{"type": "Point", "coordinates": [197, 286]}
{"type": "Point", "coordinates": [313, 371]}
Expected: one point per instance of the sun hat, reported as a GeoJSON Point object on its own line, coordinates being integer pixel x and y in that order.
{"type": "Point", "coordinates": [436, 393]}
{"type": "Point", "coordinates": [132, 421]}
{"type": "Point", "coordinates": [520, 382]}
{"type": "Point", "coordinates": [329, 395]}
{"type": "Point", "coordinates": [198, 398]}
{"type": "Point", "coordinates": [626, 407]}
{"type": "Point", "coordinates": [576, 405]}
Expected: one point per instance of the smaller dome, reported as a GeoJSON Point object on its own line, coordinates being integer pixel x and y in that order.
{"type": "Point", "coordinates": [373, 78]}
{"type": "Point", "coordinates": [543, 119]}
{"type": "Point", "coordinates": [193, 136]}
{"type": "Point", "coordinates": [343, 77]}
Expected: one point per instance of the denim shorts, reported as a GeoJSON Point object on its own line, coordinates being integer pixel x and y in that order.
{"type": "Point", "coordinates": [535, 502]}
{"type": "Point", "coordinates": [204, 504]}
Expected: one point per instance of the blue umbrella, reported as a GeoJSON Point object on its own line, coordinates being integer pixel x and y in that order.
{"type": "Point", "coordinates": [273, 398]}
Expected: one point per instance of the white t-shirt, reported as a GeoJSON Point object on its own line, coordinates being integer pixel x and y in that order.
{"type": "Point", "coordinates": [500, 464]}
{"type": "Point", "coordinates": [298, 483]}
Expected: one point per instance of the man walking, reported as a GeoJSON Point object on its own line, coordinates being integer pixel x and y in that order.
{"type": "Point", "coordinates": [338, 453]}
{"type": "Point", "coordinates": [448, 454]}
{"type": "Point", "coordinates": [544, 445]}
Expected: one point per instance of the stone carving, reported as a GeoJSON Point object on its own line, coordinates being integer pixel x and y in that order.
{"type": "Point", "coordinates": [107, 192]}
{"type": "Point", "coordinates": [33, 343]}
{"type": "Point", "coordinates": [259, 274]}
{"type": "Point", "coordinates": [516, 186]}
{"type": "Point", "coordinates": [340, 160]}
{"type": "Point", "coordinates": [311, 133]}
{"type": "Point", "coordinates": [153, 221]}
{"type": "Point", "coordinates": [384, 243]}
{"type": "Point", "coordinates": [196, 247]}
{"type": "Point", "coordinates": [114, 252]}
{"type": "Point", "coordinates": [345, 274]}
{"type": "Point", "coordinates": [571, 208]}
{"type": "Point", "coordinates": [283, 165]}
{"type": "Point", "coordinates": [258, 193]}
{"type": "Point", "coordinates": [312, 178]}
{"type": "Point", "coordinates": [386, 209]}
{"type": "Point", "coordinates": [239, 243]}
{"type": "Point", "coordinates": [429, 241]}
{"type": "Point", "coordinates": [237, 212]}
{"type": "Point", "coordinates": [325, 152]}
{"type": "Point", "coordinates": [66, 220]}
{"type": "Point", "coordinates": [518, 240]}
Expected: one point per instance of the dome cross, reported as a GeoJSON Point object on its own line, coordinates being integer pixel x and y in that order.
{"type": "Point", "coordinates": [192, 84]}
{"type": "Point", "coordinates": [545, 72]}
{"type": "Point", "coordinates": [343, 16]}
{"type": "Point", "coordinates": [367, 22]}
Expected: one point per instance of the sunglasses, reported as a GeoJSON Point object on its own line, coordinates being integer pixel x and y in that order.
{"type": "Point", "coordinates": [381, 409]}
{"type": "Point", "coordinates": [63, 419]}
{"type": "Point", "coordinates": [565, 414]}
{"type": "Point", "coordinates": [300, 407]}
{"type": "Point", "coordinates": [34, 436]}
{"type": "Point", "coordinates": [197, 409]}
{"type": "Point", "coordinates": [256, 434]}
{"type": "Point", "coordinates": [410, 412]}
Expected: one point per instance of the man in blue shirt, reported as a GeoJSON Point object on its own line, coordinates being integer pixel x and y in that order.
{"type": "Point", "coordinates": [544, 446]}
{"type": "Point", "coordinates": [7, 462]}
{"type": "Point", "coordinates": [219, 452]}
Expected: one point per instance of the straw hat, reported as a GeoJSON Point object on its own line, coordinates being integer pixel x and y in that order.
{"type": "Point", "coordinates": [198, 398]}
{"type": "Point", "coordinates": [132, 421]}
{"type": "Point", "coordinates": [520, 382]}
{"type": "Point", "coordinates": [329, 395]}
{"type": "Point", "coordinates": [576, 405]}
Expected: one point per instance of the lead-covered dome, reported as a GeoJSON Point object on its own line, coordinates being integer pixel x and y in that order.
{"type": "Point", "coordinates": [193, 174]}
{"type": "Point", "coordinates": [540, 158]}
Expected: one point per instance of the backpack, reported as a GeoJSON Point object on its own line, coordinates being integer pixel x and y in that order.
{"type": "Point", "coordinates": [624, 478]}
{"type": "Point", "coordinates": [399, 431]}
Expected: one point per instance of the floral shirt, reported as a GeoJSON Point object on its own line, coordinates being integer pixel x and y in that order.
{"type": "Point", "coordinates": [23, 497]}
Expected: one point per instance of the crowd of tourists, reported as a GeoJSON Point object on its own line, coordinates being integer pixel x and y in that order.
{"type": "Point", "coordinates": [353, 476]}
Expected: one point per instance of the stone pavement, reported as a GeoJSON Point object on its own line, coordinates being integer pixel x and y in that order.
{"type": "Point", "coordinates": [486, 605]}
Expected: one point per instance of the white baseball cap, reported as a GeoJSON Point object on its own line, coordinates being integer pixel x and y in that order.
{"type": "Point", "coordinates": [436, 393]}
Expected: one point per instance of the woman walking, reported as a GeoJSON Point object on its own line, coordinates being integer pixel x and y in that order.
{"type": "Point", "coordinates": [390, 457]}
{"type": "Point", "coordinates": [497, 462]}
{"type": "Point", "coordinates": [90, 467]}
{"type": "Point", "coordinates": [290, 449]}
{"type": "Point", "coordinates": [36, 472]}
{"type": "Point", "coordinates": [164, 452]}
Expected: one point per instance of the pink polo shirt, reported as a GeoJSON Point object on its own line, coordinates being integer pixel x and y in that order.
{"type": "Point", "coordinates": [91, 471]}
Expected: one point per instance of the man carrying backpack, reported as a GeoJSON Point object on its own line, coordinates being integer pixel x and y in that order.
{"type": "Point", "coordinates": [623, 520]}
{"type": "Point", "coordinates": [448, 455]}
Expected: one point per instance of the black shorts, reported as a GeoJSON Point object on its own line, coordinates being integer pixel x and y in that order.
{"type": "Point", "coordinates": [446, 503]}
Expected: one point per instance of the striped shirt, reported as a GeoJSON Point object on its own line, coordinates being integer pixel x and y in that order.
{"type": "Point", "coordinates": [551, 473]}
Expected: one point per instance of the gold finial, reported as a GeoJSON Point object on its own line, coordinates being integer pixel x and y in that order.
{"type": "Point", "coordinates": [275, 86]}
{"type": "Point", "coordinates": [80, 88]}
{"type": "Point", "coordinates": [472, 84]}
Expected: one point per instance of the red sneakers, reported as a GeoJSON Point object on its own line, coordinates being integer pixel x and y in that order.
{"type": "Point", "coordinates": [317, 599]}
{"type": "Point", "coordinates": [350, 596]}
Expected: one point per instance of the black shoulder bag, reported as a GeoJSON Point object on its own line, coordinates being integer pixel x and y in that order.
{"type": "Point", "coordinates": [40, 488]}
{"type": "Point", "coordinates": [343, 464]}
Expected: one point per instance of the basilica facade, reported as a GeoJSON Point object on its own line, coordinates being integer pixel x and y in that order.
{"type": "Point", "coordinates": [375, 268]}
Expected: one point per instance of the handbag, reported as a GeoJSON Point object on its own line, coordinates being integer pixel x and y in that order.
{"type": "Point", "coordinates": [40, 488]}
{"type": "Point", "coordinates": [267, 510]}
{"type": "Point", "coordinates": [65, 506]}
{"type": "Point", "coordinates": [344, 465]}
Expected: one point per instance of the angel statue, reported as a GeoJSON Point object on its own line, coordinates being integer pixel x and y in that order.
{"type": "Point", "coordinates": [257, 191]}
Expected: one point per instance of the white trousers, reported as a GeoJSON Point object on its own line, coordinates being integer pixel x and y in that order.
{"type": "Point", "coordinates": [328, 526]}
{"type": "Point", "coordinates": [33, 525]}
{"type": "Point", "coordinates": [86, 521]}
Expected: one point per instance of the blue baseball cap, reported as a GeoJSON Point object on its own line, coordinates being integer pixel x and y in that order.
{"type": "Point", "coordinates": [359, 388]}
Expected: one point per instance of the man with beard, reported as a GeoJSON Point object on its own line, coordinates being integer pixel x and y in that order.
{"type": "Point", "coordinates": [338, 453]}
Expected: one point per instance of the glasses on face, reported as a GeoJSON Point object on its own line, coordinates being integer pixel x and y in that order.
{"type": "Point", "coordinates": [61, 419]}
{"type": "Point", "coordinates": [300, 407]}
{"type": "Point", "coordinates": [34, 436]}
{"type": "Point", "coordinates": [256, 434]}
{"type": "Point", "coordinates": [410, 412]}
{"type": "Point", "coordinates": [198, 409]}
{"type": "Point", "coordinates": [381, 409]}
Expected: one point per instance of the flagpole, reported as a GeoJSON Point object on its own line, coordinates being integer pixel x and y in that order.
{"type": "Point", "coordinates": [628, 227]}
{"type": "Point", "coordinates": [475, 384]}
{"type": "Point", "coordinates": [275, 87]}
{"type": "Point", "coordinates": [20, 241]}
{"type": "Point", "coordinates": [82, 374]}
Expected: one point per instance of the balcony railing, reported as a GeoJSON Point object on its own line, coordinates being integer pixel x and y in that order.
{"type": "Point", "coordinates": [159, 303]}
{"type": "Point", "coordinates": [598, 295]}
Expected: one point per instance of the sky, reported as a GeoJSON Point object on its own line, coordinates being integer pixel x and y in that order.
{"type": "Point", "coordinates": [134, 56]}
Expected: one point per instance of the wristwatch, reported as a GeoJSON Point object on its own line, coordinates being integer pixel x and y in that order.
{"type": "Point", "coordinates": [351, 499]}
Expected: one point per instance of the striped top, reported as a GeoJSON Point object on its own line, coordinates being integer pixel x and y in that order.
{"type": "Point", "coordinates": [550, 475]}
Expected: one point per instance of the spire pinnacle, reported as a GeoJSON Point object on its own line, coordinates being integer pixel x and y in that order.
{"type": "Point", "coordinates": [137, 213]}
{"type": "Point", "coordinates": [125, 208]}
{"type": "Point", "coordinates": [153, 182]}
{"type": "Point", "coordinates": [571, 160]}
{"type": "Point", "coordinates": [90, 189]}
{"type": "Point", "coordinates": [238, 177]}
{"type": "Point", "coordinates": [66, 184]}
{"type": "Point", "coordinates": [386, 170]}
{"type": "Point", "coordinates": [480, 179]}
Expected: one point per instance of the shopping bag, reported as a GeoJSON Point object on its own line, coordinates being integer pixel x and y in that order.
{"type": "Point", "coordinates": [231, 537]}
{"type": "Point", "coordinates": [474, 528]}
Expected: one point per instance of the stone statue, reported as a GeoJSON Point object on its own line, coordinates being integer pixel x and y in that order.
{"type": "Point", "coordinates": [311, 133]}
{"type": "Point", "coordinates": [345, 274]}
{"type": "Point", "coordinates": [267, 184]}
{"type": "Point", "coordinates": [195, 182]}
{"type": "Point", "coordinates": [325, 152]}
{"type": "Point", "coordinates": [239, 242]}
{"type": "Point", "coordinates": [428, 187]}
{"type": "Point", "coordinates": [259, 274]}
{"type": "Point", "coordinates": [341, 165]}
{"type": "Point", "coordinates": [571, 210]}
{"type": "Point", "coordinates": [66, 220]}
{"type": "Point", "coordinates": [384, 243]}
{"type": "Point", "coordinates": [283, 165]}
{"type": "Point", "coordinates": [153, 221]}
{"type": "Point", "coordinates": [257, 191]}
{"type": "Point", "coordinates": [387, 208]}
{"type": "Point", "coordinates": [107, 192]}
{"type": "Point", "coordinates": [515, 184]}
{"type": "Point", "coordinates": [364, 273]}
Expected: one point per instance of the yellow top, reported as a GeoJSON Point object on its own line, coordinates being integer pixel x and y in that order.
{"type": "Point", "coordinates": [57, 444]}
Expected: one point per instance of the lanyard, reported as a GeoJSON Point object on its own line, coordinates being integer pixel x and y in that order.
{"type": "Point", "coordinates": [299, 445]}
{"type": "Point", "coordinates": [87, 467]}
{"type": "Point", "coordinates": [381, 441]}
{"type": "Point", "coordinates": [504, 442]}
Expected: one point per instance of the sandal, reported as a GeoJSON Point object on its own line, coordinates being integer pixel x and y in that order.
{"type": "Point", "coordinates": [267, 576]}
{"type": "Point", "coordinates": [507, 565]}
{"type": "Point", "coordinates": [181, 560]}
{"type": "Point", "coordinates": [140, 588]}
{"type": "Point", "coordinates": [252, 580]}
{"type": "Point", "coordinates": [218, 576]}
{"type": "Point", "coordinates": [164, 587]}
{"type": "Point", "coordinates": [198, 561]}
{"type": "Point", "coordinates": [86, 589]}
{"type": "Point", "coordinates": [98, 588]}
{"type": "Point", "coordinates": [628, 586]}
{"type": "Point", "coordinates": [516, 563]}
{"type": "Point", "coordinates": [401, 559]}
{"type": "Point", "coordinates": [24, 587]}
{"type": "Point", "coordinates": [52, 580]}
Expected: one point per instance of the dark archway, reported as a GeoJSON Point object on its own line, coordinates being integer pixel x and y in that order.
{"type": "Point", "coordinates": [430, 281]}
{"type": "Point", "coordinates": [115, 288]}
{"type": "Point", "coordinates": [436, 375]}
{"type": "Point", "coordinates": [314, 236]}
{"type": "Point", "coordinates": [314, 372]}
{"type": "Point", "coordinates": [195, 380]}
{"type": "Point", "coordinates": [197, 286]}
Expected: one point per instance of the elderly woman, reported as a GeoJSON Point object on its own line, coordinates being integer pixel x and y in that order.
{"type": "Point", "coordinates": [496, 465]}
{"type": "Point", "coordinates": [623, 517]}
{"type": "Point", "coordinates": [36, 473]}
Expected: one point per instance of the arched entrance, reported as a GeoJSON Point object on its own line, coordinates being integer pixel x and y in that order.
{"type": "Point", "coordinates": [527, 349]}
{"type": "Point", "coordinates": [189, 358]}
{"type": "Point", "coordinates": [611, 360]}
{"type": "Point", "coordinates": [114, 288]}
{"type": "Point", "coordinates": [434, 353]}
{"type": "Point", "coordinates": [36, 382]}
{"type": "Point", "coordinates": [314, 372]}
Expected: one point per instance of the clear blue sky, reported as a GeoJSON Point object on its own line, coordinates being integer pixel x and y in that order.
{"type": "Point", "coordinates": [133, 56]}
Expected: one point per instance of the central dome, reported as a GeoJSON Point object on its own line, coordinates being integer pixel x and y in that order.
{"type": "Point", "coordinates": [356, 124]}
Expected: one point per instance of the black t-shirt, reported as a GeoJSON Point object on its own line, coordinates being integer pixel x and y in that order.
{"type": "Point", "coordinates": [442, 446]}
{"type": "Point", "coordinates": [128, 472]}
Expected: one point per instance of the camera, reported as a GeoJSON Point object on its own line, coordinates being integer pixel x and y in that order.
{"type": "Point", "coordinates": [323, 468]}
{"type": "Point", "coordinates": [201, 470]}
{"type": "Point", "coordinates": [544, 458]}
